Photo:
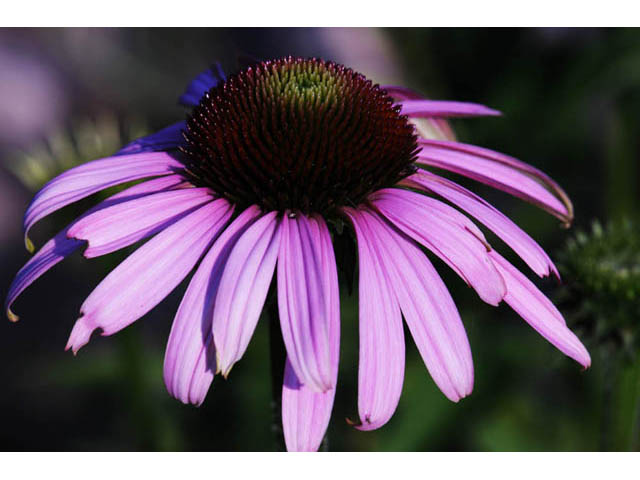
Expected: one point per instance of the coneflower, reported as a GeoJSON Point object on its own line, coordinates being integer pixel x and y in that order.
{"type": "Point", "coordinates": [268, 164]}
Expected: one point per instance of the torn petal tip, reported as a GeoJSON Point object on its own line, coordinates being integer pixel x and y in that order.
{"type": "Point", "coordinates": [586, 361]}
{"type": "Point", "coordinates": [80, 335]}
{"type": "Point", "coordinates": [225, 371]}
{"type": "Point", "coordinates": [352, 423]}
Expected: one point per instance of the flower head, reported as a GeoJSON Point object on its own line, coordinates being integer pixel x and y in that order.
{"type": "Point", "coordinates": [602, 266]}
{"type": "Point", "coordinates": [268, 162]}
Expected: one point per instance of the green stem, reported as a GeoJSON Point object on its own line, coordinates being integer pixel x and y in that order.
{"type": "Point", "coordinates": [607, 407]}
{"type": "Point", "coordinates": [635, 433]}
{"type": "Point", "coordinates": [278, 358]}
{"type": "Point", "coordinates": [621, 403]}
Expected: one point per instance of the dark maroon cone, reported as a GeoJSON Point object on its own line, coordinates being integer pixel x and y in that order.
{"type": "Point", "coordinates": [299, 134]}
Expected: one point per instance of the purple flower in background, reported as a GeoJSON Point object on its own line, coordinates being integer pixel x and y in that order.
{"type": "Point", "coordinates": [269, 165]}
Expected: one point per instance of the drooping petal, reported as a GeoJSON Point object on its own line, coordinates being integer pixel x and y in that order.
{"type": "Point", "coordinates": [448, 234]}
{"type": "Point", "coordinates": [51, 253]}
{"type": "Point", "coordinates": [538, 311]}
{"type": "Point", "coordinates": [303, 298]}
{"type": "Point", "coordinates": [382, 352]}
{"type": "Point", "coordinates": [84, 180]}
{"type": "Point", "coordinates": [243, 290]}
{"type": "Point", "coordinates": [189, 362]}
{"type": "Point", "coordinates": [424, 300]}
{"type": "Point", "coordinates": [200, 85]}
{"type": "Point", "coordinates": [116, 227]}
{"type": "Point", "coordinates": [149, 274]}
{"type": "Point", "coordinates": [514, 236]}
{"type": "Point", "coordinates": [169, 138]}
{"type": "Point", "coordinates": [60, 247]}
{"type": "Point", "coordinates": [443, 108]}
{"type": "Point", "coordinates": [499, 171]}
{"type": "Point", "coordinates": [306, 413]}
{"type": "Point", "coordinates": [427, 127]}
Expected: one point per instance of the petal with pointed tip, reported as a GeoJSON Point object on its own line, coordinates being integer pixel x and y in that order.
{"type": "Point", "coordinates": [429, 127]}
{"type": "Point", "coordinates": [509, 232]}
{"type": "Point", "coordinates": [306, 413]}
{"type": "Point", "coordinates": [303, 293]}
{"type": "Point", "coordinates": [84, 180]}
{"type": "Point", "coordinates": [499, 171]}
{"type": "Point", "coordinates": [189, 362]}
{"type": "Point", "coordinates": [382, 355]}
{"type": "Point", "coordinates": [119, 226]}
{"type": "Point", "coordinates": [426, 304]}
{"type": "Point", "coordinates": [444, 108]}
{"type": "Point", "coordinates": [149, 274]}
{"type": "Point", "coordinates": [243, 290]}
{"type": "Point", "coordinates": [448, 234]}
{"type": "Point", "coordinates": [60, 247]}
{"type": "Point", "coordinates": [538, 311]}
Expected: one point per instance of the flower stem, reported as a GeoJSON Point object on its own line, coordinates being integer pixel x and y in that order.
{"type": "Point", "coordinates": [620, 403]}
{"type": "Point", "coordinates": [278, 355]}
{"type": "Point", "coordinates": [278, 358]}
{"type": "Point", "coordinates": [634, 444]}
{"type": "Point", "coordinates": [606, 425]}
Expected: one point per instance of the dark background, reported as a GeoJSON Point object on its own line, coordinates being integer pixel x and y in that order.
{"type": "Point", "coordinates": [571, 103]}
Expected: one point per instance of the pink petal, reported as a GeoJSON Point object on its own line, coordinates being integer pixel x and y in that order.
{"type": "Point", "coordinates": [442, 108]}
{"type": "Point", "coordinates": [539, 312]}
{"type": "Point", "coordinates": [447, 233]}
{"type": "Point", "coordinates": [303, 298]}
{"type": "Point", "coordinates": [381, 362]}
{"type": "Point", "coordinates": [427, 127]}
{"type": "Point", "coordinates": [121, 225]}
{"type": "Point", "coordinates": [306, 413]}
{"type": "Point", "coordinates": [243, 290]}
{"type": "Point", "coordinates": [499, 171]}
{"type": "Point", "coordinates": [149, 274]}
{"type": "Point", "coordinates": [427, 307]}
{"type": "Point", "coordinates": [189, 362]}
{"type": "Point", "coordinates": [60, 247]}
{"type": "Point", "coordinates": [514, 236]}
{"type": "Point", "coordinates": [89, 178]}
{"type": "Point", "coordinates": [402, 93]}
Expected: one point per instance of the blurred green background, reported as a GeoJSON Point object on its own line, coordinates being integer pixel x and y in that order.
{"type": "Point", "coordinates": [571, 103]}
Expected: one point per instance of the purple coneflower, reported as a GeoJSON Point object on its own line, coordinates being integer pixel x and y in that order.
{"type": "Point", "coordinates": [269, 163]}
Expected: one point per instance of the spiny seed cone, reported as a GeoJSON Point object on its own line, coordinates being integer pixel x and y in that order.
{"type": "Point", "coordinates": [299, 134]}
